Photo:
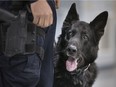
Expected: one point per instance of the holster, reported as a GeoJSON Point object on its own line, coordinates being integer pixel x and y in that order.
{"type": "Point", "coordinates": [18, 36]}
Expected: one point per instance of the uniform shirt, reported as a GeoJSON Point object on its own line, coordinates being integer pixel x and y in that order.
{"type": "Point", "coordinates": [14, 4]}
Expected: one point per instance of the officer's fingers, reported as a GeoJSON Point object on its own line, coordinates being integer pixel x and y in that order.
{"type": "Point", "coordinates": [57, 3]}
{"type": "Point", "coordinates": [46, 21]}
{"type": "Point", "coordinates": [41, 22]}
{"type": "Point", "coordinates": [51, 19]}
{"type": "Point", "coordinates": [35, 20]}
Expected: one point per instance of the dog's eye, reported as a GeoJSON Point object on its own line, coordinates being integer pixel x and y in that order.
{"type": "Point", "coordinates": [85, 37]}
{"type": "Point", "coordinates": [70, 34]}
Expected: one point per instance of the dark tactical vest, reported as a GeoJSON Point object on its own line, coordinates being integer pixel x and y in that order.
{"type": "Point", "coordinates": [18, 35]}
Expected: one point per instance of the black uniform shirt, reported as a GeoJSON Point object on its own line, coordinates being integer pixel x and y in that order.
{"type": "Point", "coordinates": [14, 4]}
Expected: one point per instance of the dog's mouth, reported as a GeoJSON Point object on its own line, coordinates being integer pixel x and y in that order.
{"type": "Point", "coordinates": [72, 63]}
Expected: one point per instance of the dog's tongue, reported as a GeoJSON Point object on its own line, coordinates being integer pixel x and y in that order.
{"type": "Point", "coordinates": [71, 64]}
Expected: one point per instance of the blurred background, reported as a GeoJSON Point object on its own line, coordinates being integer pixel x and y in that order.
{"type": "Point", "coordinates": [88, 10]}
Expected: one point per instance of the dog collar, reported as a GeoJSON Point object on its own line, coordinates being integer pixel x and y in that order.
{"type": "Point", "coordinates": [79, 71]}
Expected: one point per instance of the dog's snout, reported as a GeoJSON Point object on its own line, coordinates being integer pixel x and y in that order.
{"type": "Point", "coordinates": [71, 49]}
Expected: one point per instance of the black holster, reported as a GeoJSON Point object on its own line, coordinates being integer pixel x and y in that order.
{"type": "Point", "coordinates": [18, 36]}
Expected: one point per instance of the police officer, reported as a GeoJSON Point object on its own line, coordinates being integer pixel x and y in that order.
{"type": "Point", "coordinates": [30, 70]}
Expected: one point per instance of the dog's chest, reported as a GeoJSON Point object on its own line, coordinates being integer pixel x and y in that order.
{"type": "Point", "coordinates": [67, 80]}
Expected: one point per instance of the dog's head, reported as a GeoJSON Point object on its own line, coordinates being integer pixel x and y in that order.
{"type": "Point", "coordinates": [80, 39]}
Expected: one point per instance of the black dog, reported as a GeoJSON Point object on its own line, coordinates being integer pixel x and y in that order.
{"type": "Point", "coordinates": [77, 50]}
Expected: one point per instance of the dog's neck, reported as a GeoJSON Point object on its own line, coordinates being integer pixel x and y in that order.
{"type": "Point", "coordinates": [77, 72]}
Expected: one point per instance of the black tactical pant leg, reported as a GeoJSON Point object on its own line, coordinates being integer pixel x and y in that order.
{"type": "Point", "coordinates": [23, 71]}
{"type": "Point", "coordinates": [47, 69]}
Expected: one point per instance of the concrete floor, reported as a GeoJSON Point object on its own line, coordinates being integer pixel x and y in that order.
{"type": "Point", "coordinates": [106, 78]}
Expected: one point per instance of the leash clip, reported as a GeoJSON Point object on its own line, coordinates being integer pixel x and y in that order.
{"type": "Point", "coordinates": [87, 68]}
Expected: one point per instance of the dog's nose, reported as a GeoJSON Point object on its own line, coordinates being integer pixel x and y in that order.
{"type": "Point", "coordinates": [71, 49]}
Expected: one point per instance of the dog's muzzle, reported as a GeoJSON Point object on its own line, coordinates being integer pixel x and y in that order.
{"type": "Point", "coordinates": [71, 50]}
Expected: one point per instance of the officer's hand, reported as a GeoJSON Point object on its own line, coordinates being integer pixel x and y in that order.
{"type": "Point", "coordinates": [42, 13]}
{"type": "Point", "coordinates": [57, 3]}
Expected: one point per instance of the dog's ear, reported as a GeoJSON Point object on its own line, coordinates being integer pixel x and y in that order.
{"type": "Point", "coordinates": [71, 16]}
{"type": "Point", "coordinates": [99, 24]}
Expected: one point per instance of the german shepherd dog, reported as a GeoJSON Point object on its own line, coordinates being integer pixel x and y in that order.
{"type": "Point", "coordinates": [77, 50]}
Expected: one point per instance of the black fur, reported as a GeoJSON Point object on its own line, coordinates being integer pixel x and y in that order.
{"type": "Point", "coordinates": [79, 41]}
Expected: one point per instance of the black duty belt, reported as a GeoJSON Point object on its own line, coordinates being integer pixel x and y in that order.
{"type": "Point", "coordinates": [18, 35]}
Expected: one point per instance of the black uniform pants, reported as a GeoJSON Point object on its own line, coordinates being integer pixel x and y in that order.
{"type": "Point", "coordinates": [30, 70]}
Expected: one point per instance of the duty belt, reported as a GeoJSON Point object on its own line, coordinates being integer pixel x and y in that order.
{"type": "Point", "coordinates": [18, 35]}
